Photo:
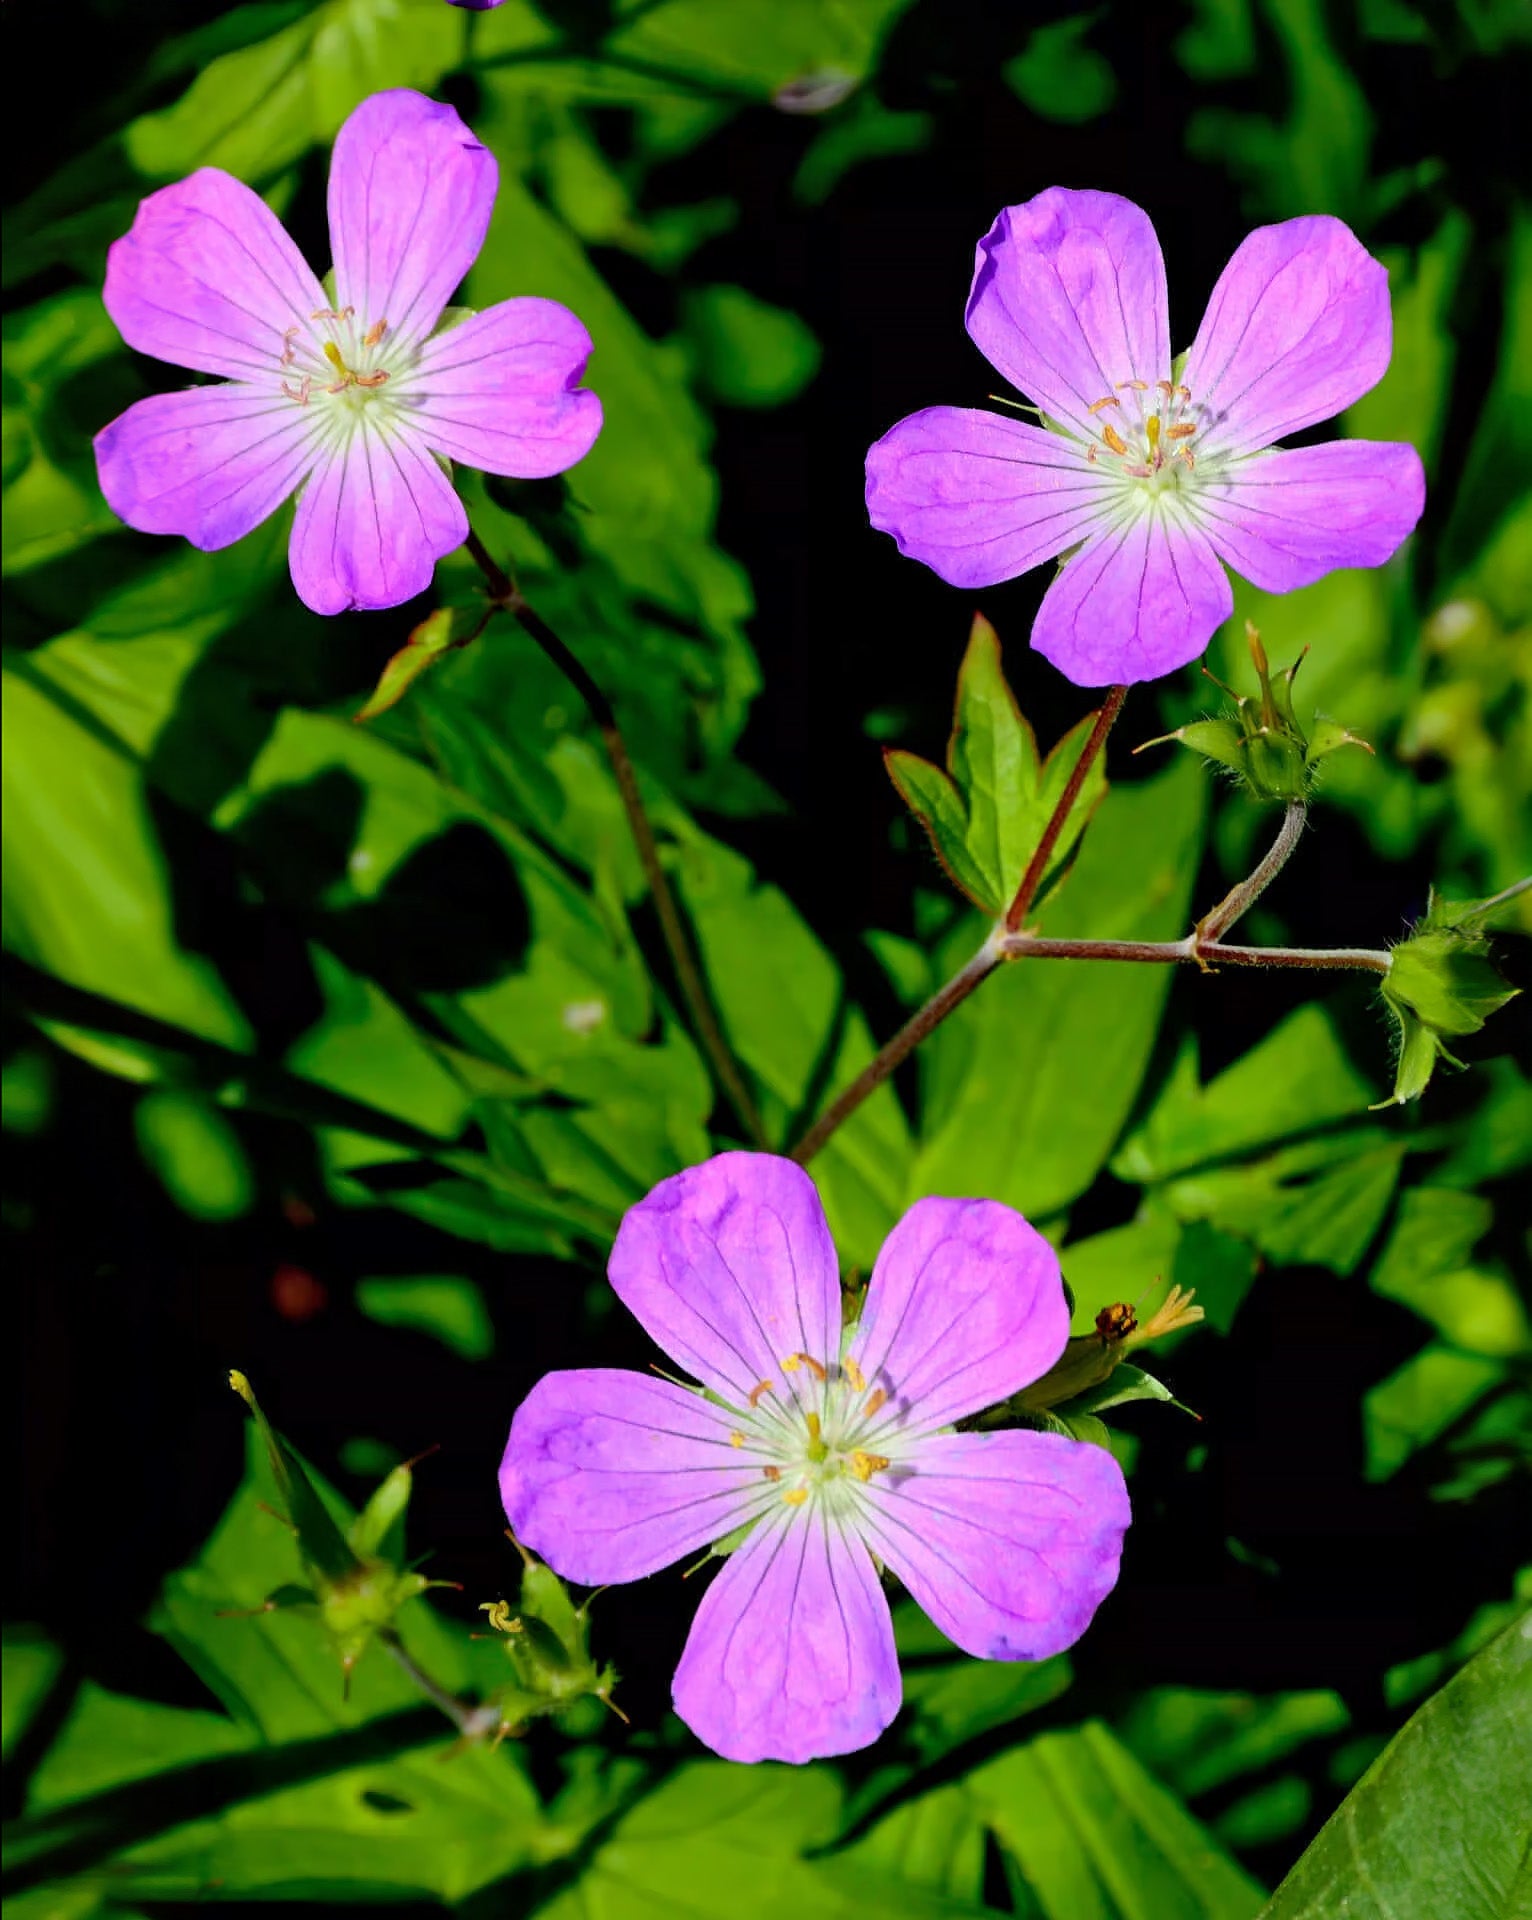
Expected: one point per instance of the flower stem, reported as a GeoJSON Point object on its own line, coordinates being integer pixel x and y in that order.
{"type": "Point", "coordinates": [1037, 866]}
{"type": "Point", "coordinates": [1208, 955]}
{"type": "Point", "coordinates": [901, 1046]}
{"type": "Point", "coordinates": [1240, 899]}
{"type": "Point", "coordinates": [507, 596]}
{"type": "Point", "coordinates": [471, 1722]}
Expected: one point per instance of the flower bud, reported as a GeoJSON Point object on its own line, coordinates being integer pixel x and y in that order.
{"type": "Point", "coordinates": [1442, 983]}
{"type": "Point", "coordinates": [1261, 742]}
{"type": "Point", "coordinates": [547, 1641]}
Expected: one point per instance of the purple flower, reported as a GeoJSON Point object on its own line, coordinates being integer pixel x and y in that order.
{"type": "Point", "coordinates": [831, 1450]}
{"type": "Point", "coordinates": [348, 400]}
{"type": "Point", "coordinates": [1157, 473]}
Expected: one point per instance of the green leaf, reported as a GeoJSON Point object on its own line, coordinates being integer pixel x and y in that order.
{"type": "Point", "coordinates": [1198, 1742]}
{"type": "Point", "coordinates": [1026, 1086]}
{"type": "Point", "coordinates": [1439, 1824]}
{"type": "Point", "coordinates": [1419, 1402]}
{"type": "Point", "coordinates": [32, 1662]}
{"type": "Point", "coordinates": [444, 1306]}
{"type": "Point", "coordinates": [196, 1154]}
{"type": "Point", "coordinates": [985, 815]}
{"type": "Point", "coordinates": [1425, 1265]}
{"type": "Point", "coordinates": [745, 352]}
{"type": "Point", "coordinates": [1088, 1834]}
{"type": "Point", "coordinates": [950, 1699]}
{"type": "Point", "coordinates": [438, 633]}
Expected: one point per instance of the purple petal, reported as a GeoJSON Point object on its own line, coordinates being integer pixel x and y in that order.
{"type": "Point", "coordinates": [612, 1475]}
{"type": "Point", "coordinates": [965, 1306]}
{"type": "Point", "coordinates": [1285, 519]}
{"type": "Point", "coordinates": [1069, 301]}
{"type": "Point", "coordinates": [1009, 1541]}
{"type": "Point", "coordinates": [1298, 327]}
{"type": "Point", "coordinates": [411, 192]}
{"type": "Point", "coordinates": [977, 497]}
{"type": "Point", "coordinates": [502, 391]}
{"type": "Point", "coordinates": [1133, 604]}
{"type": "Point", "coordinates": [791, 1655]}
{"type": "Point", "coordinates": [209, 464]}
{"type": "Point", "coordinates": [731, 1269]}
{"type": "Point", "coordinates": [208, 278]}
{"type": "Point", "coordinates": [371, 524]}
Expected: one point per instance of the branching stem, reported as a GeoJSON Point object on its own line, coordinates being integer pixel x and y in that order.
{"type": "Point", "coordinates": [1037, 866]}
{"type": "Point", "coordinates": [506, 595]}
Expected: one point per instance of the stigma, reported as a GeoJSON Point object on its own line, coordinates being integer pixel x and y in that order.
{"type": "Point", "coordinates": [1155, 444]}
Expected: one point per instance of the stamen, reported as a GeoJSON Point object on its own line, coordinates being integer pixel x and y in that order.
{"type": "Point", "coordinates": [1116, 1322]}
{"type": "Point", "coordinates": [855, 1375]}
{"type": "Point", "coordinates": [301, 392]}
{"type": "Point", "coordinates": [1139, 473]}
{"type": "Point", "coordinates": [865, 1465]}
{"type": "Point", "coordinates": [371, 379]}
{"type": "Point", "coordinates": [1109, 434]}
{"type": "Point", "coordinates": [1183, 394]}
{"type": "Point", "coordinates": [1138, 386]}
{"type": "Point", "coordinates": [329, 313]}
{"type": "Point", "coordinates": [1152, 428]}
{"type": "Point", "coordinates": [1111, 400]}
{"type": "Point", "coordinates": [1165, 387]}
{"type": "Point", "coordinates": [736, 1439]}
{"type": "Point", "coordinates": [812, 1420]}
{"type": "Point", "coordinates": [795, 1496]}
{"type": "Point", "coordinates": [772, 1473]}
{"type": "Point", "coordinates": [1090, 454]}
{"type": "Point", "coordinates": [761, 1386]}
{"type": "Point", "coordinates": [288, 355]}
{"type": "Point", "coordinates": [1183, 432]}
{"type": "Point", "coordinates": [794, 1360]}
{"type": "Point", "coordinates": [1186, 454]}
{"type": "Point", "coordinates": [374, 333]}
{"type": "Point", "coordinates": [876, 1399]}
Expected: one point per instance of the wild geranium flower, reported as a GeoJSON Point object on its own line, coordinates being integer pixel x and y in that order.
{"type": "Point", "coordinates": [354, 399]}
{"type": "Point", "coordinates": [1157, 472]}
{"type": "Point", "coordinates": [831, 1451]}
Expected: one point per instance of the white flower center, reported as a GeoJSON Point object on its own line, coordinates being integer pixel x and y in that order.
{"type": "Point", "coordinates": [1148, 436]}
{"type": "Point", "coordinates": [352, 372]}
{"type": "Point", "coordinates": [820, 1447]}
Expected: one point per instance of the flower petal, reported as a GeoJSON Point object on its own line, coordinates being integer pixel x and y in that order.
{"type": "Point", "coordinates": [1287, 518]}
{"type": "Point", "coordinates": [980, 498]}
{"type": "Point", "coordinates": [1069, 301]}
{"type": "Point", "coordinates": [208, 278]}
{"type": "Point", "coordinates": [502, 391]}
{"type": "Point", "coordinates": [1298, 327]}
{"type": "Point", "coordinates": [1134, 603]}
{"type": "Point", "coordinates": [211, 463]}
{"type": "Point", "coordinates": [375, 517]}
{"type": "Point", "coordinates": [791, 1655]}
{"type": "Point", "coordinates": [411, 192]}
{"type": "Point", "coordinates": [965, 1306]}
{"type": "Point", "coordinates": [1009, 1541]}
{"type": "Point", "coordinates": [612, 1475]}
{"type": "Point", "coordinates": [731, 1269]}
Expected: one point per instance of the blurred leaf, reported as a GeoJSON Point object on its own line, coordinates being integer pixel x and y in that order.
{"type": "Point", "coordinates": [756, 47]}
{"type": "Point", "coordinates": [746, 352]}
{"type": "Point", "coordinates": [1418, 1403]}
{"type": "Point", "coordinates": [1425, 1266]}
{"type": "Point", "coordinates": [950, 1699]}
{"type": "Point", "coordinates": [935, 1841]}
{"type": "Point", "coordinates": [196, 1154]}
{"type": "Point", "coordinates": [1196, 1742]}
{"type": "Point", "coordinates": [444, 1306]}
{"type": "Point", "coordinates": [1022, 1101]}
{"type": "Point", "coordinates": [32, 1662]}
{"type": "Point", "coordinates": [1059, 76]}
{"type": "Point", "coordinates": [1439, 1823]}
{"type": "Point", "coordinates": [1089, 1835]}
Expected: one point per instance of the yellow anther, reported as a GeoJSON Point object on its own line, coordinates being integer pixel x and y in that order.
{"type": "Point", "coordinates": [1165, 387]}
{"type": "Point", "coordinates": [760, 1387]}
{"type": "Point", "coordinates": [855, 1375]}
{"type": "Point", "coordinates": [371, 379]}
{"type": "Point", "coordinates": [876, 1399]}
{"type": "Point", "coordinates": [374, 333]}
{"type": "Point", "coordinates": [1183, 432]}
{"type": "Point", "coordinates": [772, 1473]}
{"type": "Point", "coordinates": [332, 353]}
{"type": "Point", "coordinates": [1186, 454]}
{"type": "Point", "coordinates": [865, 1465]}
{"type": "Point", "coordinates": [736, 1439]}
{"type": "Point", "coordinates": [1152, 428]}
{"type": "Point", "coordinates": [1138, 386]}
{"type": "Point", "coordinates": [1111, 400]}
{"type": "Point", "coordinates": [1114, 440]}
{"type": "Point", "coordinates": [1183, 394]}
{"type": "Point", "coordinates": [329, 313]}
{"type": "Point", "coordinates": [795, 1496]}
{"type": "Point", "coordinates": [499, 1615]}
{"type": "Point", "coordinates": [813, 1425]}
{"type": "Point", "coordinates": [795, 1360]}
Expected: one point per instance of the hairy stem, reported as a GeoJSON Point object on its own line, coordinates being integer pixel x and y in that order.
{"type": "Point", "coordinates": [1037, 866]}
{"type": "Point", "coordinates": [1206, 954]}
{"type": "Point", "coordinates": [505, 594]}
{"type": "Point", "coordinates": [1240, 899]}
{"type": "Point", "coordinates": [904, 1043]}
{"type": "Point", "coordinates": [471, 1722]}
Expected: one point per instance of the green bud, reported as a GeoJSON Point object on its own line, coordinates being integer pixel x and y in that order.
{"type": "Point", "coordinates": [547, 1641]}
{"type": "Point", "coordinates": [1442, 983]}
{"type": "Point", "coordinates": [1261, 742]}
{"type": "Point", "coordinates": [441, 632]}
{"type": "Point", "coordinates": [357, 1579]}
